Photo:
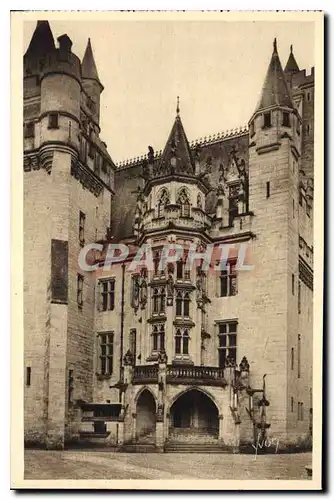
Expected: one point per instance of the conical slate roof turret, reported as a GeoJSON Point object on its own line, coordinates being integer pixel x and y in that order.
{"type": "Point", "coordinates": [42, 40]}
{"type": "Point", "coordinates": [275, 91]}
{"type": "Point", "coordinates": [88, 66]}
{"type": "Point", "coordinates": [176, 157]}
{"type": "Point", "coordinates": [291, 65]}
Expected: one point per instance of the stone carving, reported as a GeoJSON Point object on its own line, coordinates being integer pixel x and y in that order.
{"type": "Point", "coordinates": [244, 365]}
{"type": "Point", "coordinates": [170, 285]}
{"type": "Point", "coordinates": [128, 358]}
{"type": "Point", "coordinates": [86, 177]}
{"type": "Point", "coordinates": [199, 201]}
{"type": "Point", "coordinates": [135, 292]}
{"type": "Point", "coordinates": [208, 164]}
{"type": "Point", "coordinates": [143, 292]}
{"type": "Point", "coordinates": [162, 357]}
{"type": "Point", "coordinates": [160, 412]}
{"type": "Point", "coordinates": [229, 362]}
{"type": "Point", "coordinates": [150, 155]}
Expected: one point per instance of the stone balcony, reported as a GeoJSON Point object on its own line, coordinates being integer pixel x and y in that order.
{"type": "Point", "coordinates": [194, 375]}
{"type": "Point", "coordinates": [197, 219]}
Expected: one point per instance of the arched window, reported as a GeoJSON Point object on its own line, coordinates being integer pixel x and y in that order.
{"type": "Point", "coordinates": [155, 338]}
{"type": "Point", "coordinates": [162, 300]}
{"type": "Point", "coordinates": [156, 300]}
{"type": "Point", "coordinates": [178, 302]}
{"type": "Point", "coordinates": [182, 303]}
{"type": "Point", "coordinates": [158, 338]}
{"type": "Point", "coordinates": [186, 302]}
{"type": "Point", "coordinates": [182, 267]}
{"type": "Point", "coordinates": [156, 261]}
{"type": "Point", "coordinates": [162, 338]}
{"type": "Point", "coordinates": [178, 340]}
{"type": "Point", "coordinates": [183, 199]}
{"type": "Point", "coordinates": [159, 300]}
{"type": "Point", "coordinates": [163, 199]}
{"type": "Point", "coordinates": [185, 342]}
{"type": "Point", "coordinates": [182, 342]}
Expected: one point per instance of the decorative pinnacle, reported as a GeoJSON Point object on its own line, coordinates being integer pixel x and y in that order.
{"type": "Point", "coordinates": [291, 49]}
{"type": "Point", "coordinates": [275, 45]}
{"type": "Point", "coordinates": [178, 105]}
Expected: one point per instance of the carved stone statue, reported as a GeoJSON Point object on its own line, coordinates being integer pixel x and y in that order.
{"type": "Point", "coordinates": [199, 288]}
{"type": "Point", "coordinates": [150, 155]}
{"type": "Point", "coordinates": [244, 365]}
{"type": "Point", "coordinates": [162, 357]}
{"type": "Point", "coordinates": [135, 292]}
{"type": "Point", "coordinates": [143, 292]}
{"type": "Point", "coordinates": [170, 285]}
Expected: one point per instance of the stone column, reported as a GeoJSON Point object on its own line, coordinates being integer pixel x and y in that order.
{"type": "Point", "coordinates": [221, 429]}
{"type": "Point", "coordinates": [196, 342]}
{"type": "Point", "coordinates": [120, 434]}
{"type": "Point", "coordinates": [169, 341]}
{"type": "Point", "coordinates": [160, 434]}
{"type": "Point", "coordinates": [127, 399]}
{"type": "Point", "coordinates": [134, 426]}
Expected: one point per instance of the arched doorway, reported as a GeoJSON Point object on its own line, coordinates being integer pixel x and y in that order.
{"type": "Point", "coordinates": [146, 417]}
{"type": "Point", "coordinates": [194, 416]}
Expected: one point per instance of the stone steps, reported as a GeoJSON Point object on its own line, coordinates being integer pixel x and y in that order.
{"type": "Point", "coordinates": [178, 447]}
{"type": "Point", "coordinates": [138, 448]}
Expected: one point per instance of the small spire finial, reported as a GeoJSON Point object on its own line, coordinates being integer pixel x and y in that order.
{"type": "Point", "coordinates": [275, 45]}
{"type": "Point", "coordinates": [291, 49]}
{"type": "Point", "coordinates": [178, 105]}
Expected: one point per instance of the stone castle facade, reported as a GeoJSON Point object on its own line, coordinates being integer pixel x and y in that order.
{"type": "Point", "coordinates": [166, 358]}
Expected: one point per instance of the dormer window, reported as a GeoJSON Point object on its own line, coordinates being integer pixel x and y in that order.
{"type": "Point", "coordinates": [267, 120]}
{"type": "Point", "coordinates": [286, 119]}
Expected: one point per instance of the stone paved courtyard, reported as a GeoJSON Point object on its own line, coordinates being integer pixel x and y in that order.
{"type": "Point", "coordinates": [40, 464]}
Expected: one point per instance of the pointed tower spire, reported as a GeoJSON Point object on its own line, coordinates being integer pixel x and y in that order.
{"type": "Point", "coordinates": [176, 157]}
{"type": "Point", "coordinates": [291, 65]}
{"type": "Point", "coordinates": [275, 46]}
{"type": "Point", "coordinates": [88, 66]}
{"type": "Point", "coordinates": [275, 91]}
{"type": "Point", "coordinates": [42, 40]}
{"type": "Point", "coordinates": [178, 106]}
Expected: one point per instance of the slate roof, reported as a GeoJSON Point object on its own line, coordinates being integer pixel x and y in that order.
{"type": "Point", "coordinates": [275, 91]}
{"type": "Point", "coordinates": [88, 66]}
{"type": "Point", "coordinates": [291, 65]}
{"type": "Point", "coordinates": [176, 156]}
{"type": "Point", "coordinates": [42, 40]}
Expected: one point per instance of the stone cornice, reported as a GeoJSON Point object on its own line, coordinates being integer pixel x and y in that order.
{"type": "Point", "coordinates": [184, 179]}
{"type": "Point", "coordinates": [86, 177]}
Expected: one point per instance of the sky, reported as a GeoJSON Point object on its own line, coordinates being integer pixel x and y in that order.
{"type": "Point", "coordinates": [216, 67]}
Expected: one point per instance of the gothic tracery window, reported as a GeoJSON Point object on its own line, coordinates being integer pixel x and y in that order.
{"type": "Point", "coordinates": [158, 338]}
{"type": "Point", "coordinates": [163, 200]}
{"type": "Point", "coordinates": [184, 200]}
{"type": "Point", "coordinates": [182, 304]}
{"type": "Point", "coordinates": [159, 300]}
{"type": "Point", "coordinates": [182, 342]}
